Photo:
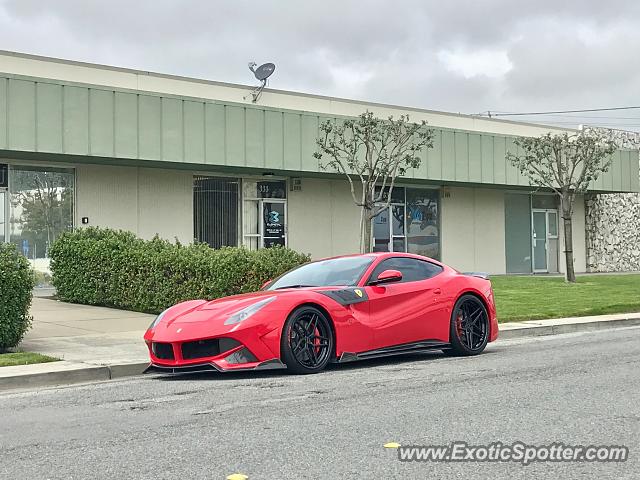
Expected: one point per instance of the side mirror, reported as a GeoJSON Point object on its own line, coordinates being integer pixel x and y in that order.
{"type": "Point", "coordinates": [265, 284]}
{"type": "Point", "coordinates": [387, 276]}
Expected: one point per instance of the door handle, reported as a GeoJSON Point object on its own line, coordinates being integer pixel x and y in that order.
{"type": "Point", "coordinates": [437, 291]}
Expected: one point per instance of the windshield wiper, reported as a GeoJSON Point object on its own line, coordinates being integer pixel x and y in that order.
{"type": "Point", "coordinates": [294, 286]}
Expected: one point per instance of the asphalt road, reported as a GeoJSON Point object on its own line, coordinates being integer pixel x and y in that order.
{"type": "Point", "coordinates": [577, 389]}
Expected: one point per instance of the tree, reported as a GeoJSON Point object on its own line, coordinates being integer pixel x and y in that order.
{"type": "Point", "coordinates": [566, 164]}
{"type": "Point", "coordinates": [374, 153]}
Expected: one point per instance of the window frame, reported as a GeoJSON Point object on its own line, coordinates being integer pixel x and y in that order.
{"type": "Point", "coordinates": [375, 267]}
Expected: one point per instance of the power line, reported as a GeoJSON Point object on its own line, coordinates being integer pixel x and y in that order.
{"type": "Point", "coordinates": [492, 113]}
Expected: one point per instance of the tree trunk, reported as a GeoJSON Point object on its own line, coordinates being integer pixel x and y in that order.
{"type": "Point", "coordinates": [570, 274]}
{"type": "Point", "coordinates": [365, 231]}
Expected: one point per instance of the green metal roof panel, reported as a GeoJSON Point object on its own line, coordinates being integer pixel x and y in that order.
{"type": "Point", "coordinates": [40, 115]}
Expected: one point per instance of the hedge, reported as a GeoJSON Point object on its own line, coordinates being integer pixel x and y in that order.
{"type": "Point", "coordinates": [115, 268]}
{"type": "Point", "coordinates": [16, 289]}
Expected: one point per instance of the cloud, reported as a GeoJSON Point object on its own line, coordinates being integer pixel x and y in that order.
{"type": "Point", "coordinates": [459, 55]}
{"type": "Point", "coordinates": [471, 63]}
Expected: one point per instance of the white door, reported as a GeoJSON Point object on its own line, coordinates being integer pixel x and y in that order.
{"type": "Point", "coordinates": [4, 216]}
{"type": "Point", "coordinates": [544, 242]}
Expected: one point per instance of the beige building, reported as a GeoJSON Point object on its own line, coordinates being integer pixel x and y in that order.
{"type": "Point", "coordinates": [197, 160]}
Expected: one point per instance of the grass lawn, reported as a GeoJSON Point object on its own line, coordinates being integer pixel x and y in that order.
{"type": "Point", "coordinates": [23, 358]}
{"type": "Point", "coordinates": [535, 298]}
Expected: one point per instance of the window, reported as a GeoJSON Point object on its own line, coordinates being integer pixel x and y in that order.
{"type": "Point", "coordinates": [423, 225]}
{"type": "Point", "coordinates": [215, 211]}
{"type": "Point", "coordinates": [410, 224]}
{"type": "Point", "coordinates": [412, 269]}
{"type": "Point", "coordinates": [544, 201]}
{"type": "Point", "coordinates": [40, 209]}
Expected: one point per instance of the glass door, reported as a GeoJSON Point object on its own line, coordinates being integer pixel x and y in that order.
{"type": "Point", "coordinates": [545, 240]}
{"type": "Point", "coordinates": [539, 240]}
{"type": "Point", "coordinates": [264, 213]}
{"type": "Point", "coordinates": [389, 229]}
{"type": "Point", "coordinates": [273, 223]}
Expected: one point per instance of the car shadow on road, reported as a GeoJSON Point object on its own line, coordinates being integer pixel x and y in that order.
{"type": "Point", "coordinates": [405, 361]}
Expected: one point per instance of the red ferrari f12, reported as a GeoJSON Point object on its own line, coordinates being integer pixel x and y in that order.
{"type": "Point", "coordinates": [335, 310]}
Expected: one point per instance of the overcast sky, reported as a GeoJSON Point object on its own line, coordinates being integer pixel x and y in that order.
{"type": "Point", "coordinates": [461, 56]}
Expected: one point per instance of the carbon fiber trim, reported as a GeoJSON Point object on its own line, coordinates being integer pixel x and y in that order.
{"type": "Point", "coordinates": [272, 364]}
{"type": "Point", "coordinates": [347, 296]}
{"type": "Point", "coordinates": [405, 348]}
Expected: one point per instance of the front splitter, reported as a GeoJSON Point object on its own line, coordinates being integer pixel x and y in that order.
{"type": "Point", "coordinates": [273, 364]}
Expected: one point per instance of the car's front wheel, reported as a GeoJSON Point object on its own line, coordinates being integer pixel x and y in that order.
{"type": "Point", "coordinates": [307, 341]}
{"type": "Point", "coordinates": [469, 332]}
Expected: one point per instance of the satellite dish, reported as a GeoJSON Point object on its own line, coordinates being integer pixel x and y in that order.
{"type": "Point", "coordinates": [262, 73]}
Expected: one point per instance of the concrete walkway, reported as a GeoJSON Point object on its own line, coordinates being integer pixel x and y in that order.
{"type": "Point", "coordinates": [97, 343]}
{"type": "Point", "coordinates": [82, 333]}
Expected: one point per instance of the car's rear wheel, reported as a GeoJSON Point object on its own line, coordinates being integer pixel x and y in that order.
{"type": "Point", "coordinates": [307, 341]}
{"type": "Point", "coordinates": [469, 332]}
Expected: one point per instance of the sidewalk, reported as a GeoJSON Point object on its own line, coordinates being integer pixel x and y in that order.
{"type": "Point", "coordinates": [82, 333]}
{"type": "Point", "coordinates": [97, 343]}
{"type": "Point", "coordinates": [94, 343]}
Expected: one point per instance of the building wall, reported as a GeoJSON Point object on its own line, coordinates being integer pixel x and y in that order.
{"type": "Point", "coordinates": [473, 229]}
{"type": "Point", "coordinates": [146, 201]}
{"type": "Point", "coordinates": [323, 219]}
{"type": "Point", "coordinates": [64, 70]}
{"type": "Point", "coordinates": [613, 232]}
{"type": "Point", "coordinates": [54, 120]}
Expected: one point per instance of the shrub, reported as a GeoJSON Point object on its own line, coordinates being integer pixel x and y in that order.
{"type": "Point", "coordinates": [115, 268]}
{"type": "Point", "coordinates": [16, 289]}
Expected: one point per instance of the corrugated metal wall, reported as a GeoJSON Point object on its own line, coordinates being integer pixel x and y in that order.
{"type": "Point", "coordinates": [56, 117]}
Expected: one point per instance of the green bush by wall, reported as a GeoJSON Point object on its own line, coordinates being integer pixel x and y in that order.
{"type": "Point", "coordinates": [115, 268]}
{"type": "Point", "coordinates": [16, 289]}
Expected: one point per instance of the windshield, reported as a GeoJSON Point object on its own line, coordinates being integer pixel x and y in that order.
{"type": "Point", "coordinates": [336, 271]}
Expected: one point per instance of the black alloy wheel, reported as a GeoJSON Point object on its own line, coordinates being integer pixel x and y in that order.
{"type": "Point", "coordinates": [469, 326]}
{"type": "Point", "coordinates": [307, 341]}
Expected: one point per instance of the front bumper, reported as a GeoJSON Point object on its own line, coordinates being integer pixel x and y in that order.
{"type": "Point", "coordinates": [183, 349]}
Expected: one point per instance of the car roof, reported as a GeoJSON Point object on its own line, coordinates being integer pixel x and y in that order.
{"type": "Point", "coordinates": [382, 255]}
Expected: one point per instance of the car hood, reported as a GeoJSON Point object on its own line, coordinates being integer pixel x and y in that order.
{"type": "Point", "coordinates": [220, 309]}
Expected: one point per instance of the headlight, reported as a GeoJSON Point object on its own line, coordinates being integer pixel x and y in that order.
{"type": "Point", "coordinates": [157, 320]}
{"type": "Point", "coordinates": [248, 311]}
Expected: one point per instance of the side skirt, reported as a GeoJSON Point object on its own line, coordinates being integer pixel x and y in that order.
{"type": "Point", "coordinates": [422, 346]}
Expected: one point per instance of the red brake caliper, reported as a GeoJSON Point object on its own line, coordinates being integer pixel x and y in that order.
{"type": "Point", "coordinates": [459, 330]}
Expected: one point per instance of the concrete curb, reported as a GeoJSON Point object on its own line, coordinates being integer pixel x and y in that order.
{"type": "Point", "coordinates": [54, 378]}
{"type": "Point", "coordinates": [127, 369]}
{"type": "Point", "coordinates": [540, 330]}
{"type": "Point", "coordinates": [67, 373]}
{"type": "Point", "coordinates": [79, 373]}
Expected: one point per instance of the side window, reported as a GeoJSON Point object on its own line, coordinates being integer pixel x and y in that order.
{"type": "Point", "coordinates": [412, 270]}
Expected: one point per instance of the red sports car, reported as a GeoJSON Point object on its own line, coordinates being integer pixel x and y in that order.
{"type": "Point", "coordinates": [335, 310]}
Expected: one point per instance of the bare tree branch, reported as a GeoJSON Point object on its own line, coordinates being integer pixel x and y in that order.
{"type": "Point", "coordinates": [376, 152]}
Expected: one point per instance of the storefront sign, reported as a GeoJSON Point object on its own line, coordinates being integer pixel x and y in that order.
{"type": "Point", "coordinates": [274, 222]}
